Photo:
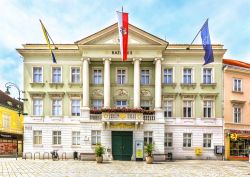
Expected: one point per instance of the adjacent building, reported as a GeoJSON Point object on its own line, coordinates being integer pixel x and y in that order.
{"type": "Point", "coordinates": [163, 95]}
{"type": "Point", "coordinates": [11, 125]}
{"type": "Point", "coordinates": [236, 109]}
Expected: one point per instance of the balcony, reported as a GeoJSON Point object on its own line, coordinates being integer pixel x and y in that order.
{"type": "Point", "coordinates": [122, 117]}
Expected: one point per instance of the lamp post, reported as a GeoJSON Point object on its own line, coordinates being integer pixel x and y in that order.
{"type": "Point", "coordinates": [8, 85]}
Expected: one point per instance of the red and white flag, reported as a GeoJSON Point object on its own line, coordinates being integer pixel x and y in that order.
{"type": "Point", "coordinates": [123, 33]}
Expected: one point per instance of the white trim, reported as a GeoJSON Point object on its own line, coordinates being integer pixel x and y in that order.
{"type": "Point", "coordinates": [33, 73]}
{"type": "Point", "coordinates": [149, 72]}
{"type": "Point", "coordinates": [102, 72]}
{"type": "Point", "coordinates": [51, 105]}
{"type": "Point", "coordinates": [51, 76]}
{"type": "Point", "coordinates": [70, 105]}
{"type": "Point", "coordinates": [126, 74]}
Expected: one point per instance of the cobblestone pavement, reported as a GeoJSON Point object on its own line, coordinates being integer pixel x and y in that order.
{"type": "Point", "coordinates": [71, 168]}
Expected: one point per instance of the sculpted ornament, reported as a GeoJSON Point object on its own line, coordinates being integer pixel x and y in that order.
{"type": "Point", "coordinates": [97, 92]}
{"type": "Point", "coordinates": [121, 92]}
{"type": "Point", "coordinates": [145, 93]}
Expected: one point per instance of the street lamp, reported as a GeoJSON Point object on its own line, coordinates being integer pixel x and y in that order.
{"type": "Point", "coordinates": [8, 85]}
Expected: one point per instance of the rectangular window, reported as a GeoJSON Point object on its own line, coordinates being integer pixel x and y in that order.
{"type": "Point", "coordinates": [187, 108]}
{"type": "Point", "coordinates": [148, 137]}
{"type": "Point", "coordinates": [121, 104]}
{"type": "Point", "coordinates": [237, 114]}
{"type": "Point", "coordinates": [187, 76]}
{"type": "Point", "coordinates": [121, 76]}
{"type": "Point", "coordinates": [237, 85]}
{"type": "Point", "coordinates": [145, 104]}
{"type": "Point", "coordinates": [97, 104]}
{"type": "Point", "coordinates": [145, 77]}
{"type": "Point", "coordinates": [37, 75]}
{"type": "Point", "coordinates": [75, 75]}
{"type": "Point", "coordinates": [6, 121]}
{"type": "Point", "coordinates": [97, 76]}
{"type": "Point", "coordinates": [75, 138]}
{"type": "Point", "coordinates": [207, 140]}
{"type": "Point", "coordinates": [56, 137]}
{"type": "Point", "coordinates": [168, 139]}
{"type": "Point", "coordinates": [75, 107]}
{"type": "Point", "coordinates": [168, 76]}
{"type": "Point", "coordinates": [37, 137]}
{"type": "Point", "coordinates": [56, 75]}
{"type": "Point", "coordinates": [207, 109]}
{"type": "Point", "coordinates": [37, 107]}
{"type": "Point", "coordinates": [57, 107]}
{"type": "Point", "coordinates": [207, 75]}
{"type": "Point", "coordinates": [168, 109]}
{"type": "Point", "coordinates": [95, 137]}
{"type": "Point", "coordinates": [187, 139]}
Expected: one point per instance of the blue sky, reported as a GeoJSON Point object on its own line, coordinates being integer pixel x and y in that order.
{"type": "Point", "coordinates": [70, 20]}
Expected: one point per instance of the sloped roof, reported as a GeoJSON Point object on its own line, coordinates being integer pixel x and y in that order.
{"type": "Point", "coordinates": [7, 101]}
{"type": "Point", "coordinates": [236, 63]}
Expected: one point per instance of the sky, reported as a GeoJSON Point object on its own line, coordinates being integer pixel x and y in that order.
{"type": "Point", "coordinates": [67, 21]}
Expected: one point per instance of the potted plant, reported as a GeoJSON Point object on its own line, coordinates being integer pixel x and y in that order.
{"type": "Point", "coordinates": [149, 150]}
{"type": "Point", "coordinates": [99, 151]}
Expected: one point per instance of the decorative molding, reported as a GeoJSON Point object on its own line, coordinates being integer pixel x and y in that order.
{"type": "Point", "coordinates": [56, 94]}
{"type": "Point", "coordinates": [173, 85]}
{"type": "Point", "coordinates": [74, 94]}
{"type": "Point", "coordinates": [97, 93]}
{"type": "Point", "coordinates": [203, 85]}
{"type": "Point", "coordinates": [167, 96]}
{"type": "Point", "coordinates": [121, 93]}
{"type": "Point", "coordinates": [208, 96]}
{"type": "Point", "coordinates": [188, 95]}
{"type": "Point", "coordinates": [145, 93]}
{"type": "Point", "coordinates": [37, 94]}
{"type": "Point", "coordinates": [193, 85]}
{"type": "Point", "coordinates": [238, 102]}
{"type": "Point", "coordinates": [37, 84]}
{"type": "Point", "coordinates": [72, 84]}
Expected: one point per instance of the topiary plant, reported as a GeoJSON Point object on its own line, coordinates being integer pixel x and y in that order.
{"type": "Point", "coordinates": [99, 150]}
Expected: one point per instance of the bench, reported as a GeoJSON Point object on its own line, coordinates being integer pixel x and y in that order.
{"type": "Point", "coordinates": [87, 156]}
{"type": "Point", "coordinates": [167, 156]}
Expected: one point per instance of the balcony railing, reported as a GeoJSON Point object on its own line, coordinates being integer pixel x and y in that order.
{"type": "Point", "coordinates": [150, 117]}
{"type": "Point", "coordinates": [95, 116]}
{"type": "Point", "coordinates": [122, 116]}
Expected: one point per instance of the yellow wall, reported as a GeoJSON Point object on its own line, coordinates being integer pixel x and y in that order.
{"type": "Point", "coordinates": [16, 122]}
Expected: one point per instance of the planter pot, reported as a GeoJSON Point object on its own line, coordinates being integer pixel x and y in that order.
{"type": "Point", "coordinates": [99, 159]}
{"type": "Point", "coordinates": [149, 159]}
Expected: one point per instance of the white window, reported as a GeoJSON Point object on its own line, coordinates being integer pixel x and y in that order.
{"type": "Point", "coordinates": [207, 140]}
{"type": "Point", "coordinates": [237, 114]}
{"type": "Point", "coordinates": [168, 139]}
{"type": "Point", "coordinates": [187, 139]}
{"type": "Point", "coordinates": [145, 104]}
{"type": "Point", "coordinates": [187, 76]}
{"type": "Point", "coordinates": [37, 137]}
{"type": "Point", "coordinates": [37, 107]}
{"type": "Point", "coordinates": [207, 108]}
{"type": "Point", "coordinates": [121, 76]}
{"type": "Point", "coordinates": [97, 104]}
{"type": "Point", "coordinates": [145, 77]}
{"type": "Point", "coordinates": [75, 138]}
{"type": "Point", "coordinates": [75, 75]}
{"type": "Point", "coordinates": [168, 108]}
{"type": "Point", "coordinates": [187, 108]}
{"type": "Point", "coordinates": [57, 107]}
{"type": "Point", "coordinates": [95, 137]}
{"type": "Point", "coordinates": [207, 75]}
{"type": "Point", "coordinates": [97, 76]}
{"type": "Point", "coordinates": [56, 137]}
{"type": "Point", "coordinates": [148, 137]}
{"type": "Point", "coordinates": [37, 75]}
{"type": "Point", "coordinates": [168, 76]}
{"type": "Point", "coordinates": [6, 121]}
{"type": "Point", "coordinates": [121, 103]}
{"type": "Point", "coordinates": [56, 75]}
{"type": "Point", "coordinates": [237, 85]}
{"type": "Point", "coordinates": [75, 107]}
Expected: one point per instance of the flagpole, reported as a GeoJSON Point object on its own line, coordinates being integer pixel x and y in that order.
{"type": "Point", "coordinates": [48, 35]}
{"type": "Point", "coordinates": [188, 47]}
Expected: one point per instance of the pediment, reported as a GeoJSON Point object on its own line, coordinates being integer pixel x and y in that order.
{"type": "Point", "coordinates": [109, 36]}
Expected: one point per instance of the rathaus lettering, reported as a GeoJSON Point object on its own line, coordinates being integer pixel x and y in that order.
{"type": "Point", "coordinates": [116, 52]}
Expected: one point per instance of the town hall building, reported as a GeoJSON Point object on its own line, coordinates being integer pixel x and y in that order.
{"type": "Point", "coordinates": [162, 95]}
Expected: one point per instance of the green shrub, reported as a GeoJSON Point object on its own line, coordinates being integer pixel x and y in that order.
{"type": "Point", "coordinates": [149, 149]}
{"type": "Point", "coordinates": [99, 150]}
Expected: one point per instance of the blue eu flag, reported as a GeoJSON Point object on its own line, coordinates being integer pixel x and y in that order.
{"type": "Point", "coordinates": [206, 42]}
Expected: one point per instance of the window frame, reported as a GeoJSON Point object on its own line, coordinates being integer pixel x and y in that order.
{"type": "Point", "coordinates": [147, 135]}
{"type": "Point", "coordinates": [186, 139]}
{"type": "Point", "coordinates": [71, 74]}
{"type": "Point", "coordinates": [98, 100]}
{"type": "Point", "coordinates": [206, 140]}
{"type": "Point", "coordinates": [212, 108]}
{"type": "Point", "coordinates": [168, 139]}
{"type": "Point", "coordinates": [58, 137]}
{"type": "Point", "coordinates": [95, 134]}
{"type": "Point", "coordinates": [121, 102]}
{"type": "Point", "coordinates": [167, 75]}
{"type": "Point", "coordinates": [42, 111]}
{"type": "Point", "coordinates": [238, 112]}
{"type": "Point", "coordinates": [52, 106]}
{"type": "Point", "coordinates": [211, 75]}
{"type": "Point", "coordinates": [38, 137]}
{"type": "Point", "coordinates": [145, 76]}
{"type": "Point", "coordinates": [192, 108]}
{"type": "Point", "coordinates": [237, 89]}
{"type": "Point", "coordinates": [101, 75]}
{"type": "Point", "coordinates": [126, 75]}
{"type": "Point", "coordinates": [71, 107]}
{"type": "Point", "coordinates": [76, 138]}
{"type": "Point", "coordinates": [33, 74]}
{"type": "Point", "coordinates": [165, 105]}
{"type": "Point", "coordinates": [6, 121]}
{"type": "Point", "coordinates": [191, 75]}
{"type": "Point", "coordinates": [52, 75]}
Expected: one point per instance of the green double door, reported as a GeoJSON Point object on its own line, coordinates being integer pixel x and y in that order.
{"type": "Point", "coordinates": [122, 145]}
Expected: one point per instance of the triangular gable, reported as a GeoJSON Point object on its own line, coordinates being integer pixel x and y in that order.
{"type": "Point", "coordinates": [109, 35]}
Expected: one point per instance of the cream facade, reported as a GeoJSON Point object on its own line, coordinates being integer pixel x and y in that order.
{"type": "Point", "coordinates": [183, 100]}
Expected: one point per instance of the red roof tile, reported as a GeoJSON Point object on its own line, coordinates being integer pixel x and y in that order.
{"type": "Point", "coordinates": [7, 101]}
{"type": "Point", "coordinates": [236, 63]}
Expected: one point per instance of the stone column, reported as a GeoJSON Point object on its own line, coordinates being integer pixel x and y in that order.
{"type": "Point", "coordinates": [158, 83]}
{"type": "Point", "coordinates": [85, 88]}
{"type": "Point", "coordinates": [106, 82]}
{"type": "Point", "coordinates": [137, 82]}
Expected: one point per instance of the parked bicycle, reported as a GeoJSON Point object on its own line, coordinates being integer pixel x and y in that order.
{"type": "Point", "coordinates": [55, 155]}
